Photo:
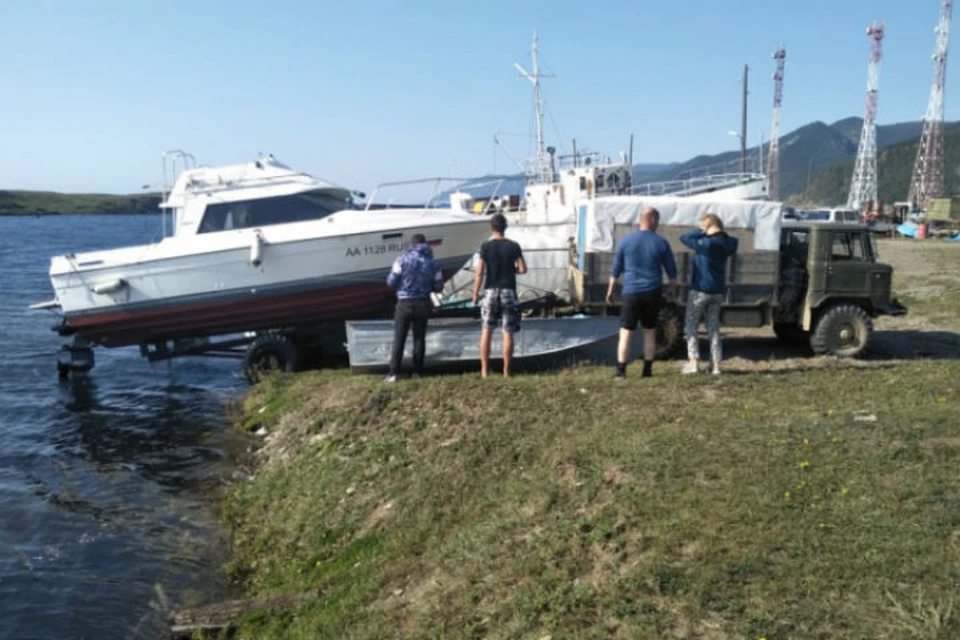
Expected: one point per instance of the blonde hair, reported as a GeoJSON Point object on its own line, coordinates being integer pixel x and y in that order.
{"type": "Point", "coordinates": [712, 219]}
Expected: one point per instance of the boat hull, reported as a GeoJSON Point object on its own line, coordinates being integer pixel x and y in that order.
{"type": "Point", "coordinates": [225, 284]}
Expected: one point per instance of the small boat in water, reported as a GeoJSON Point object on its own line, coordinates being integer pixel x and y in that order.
{"type": "Point", "coordinates": [254, 246]}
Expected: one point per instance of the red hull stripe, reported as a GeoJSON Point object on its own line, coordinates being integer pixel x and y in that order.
{"type": "Point", "coordinates": [251, 312]}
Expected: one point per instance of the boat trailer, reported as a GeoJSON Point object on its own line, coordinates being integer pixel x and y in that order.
{"type": "Point", "coordinates": [266, 351]}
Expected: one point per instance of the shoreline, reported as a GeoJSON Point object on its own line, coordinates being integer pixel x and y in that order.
{"type": "Point", "coordinates": [46, 203]}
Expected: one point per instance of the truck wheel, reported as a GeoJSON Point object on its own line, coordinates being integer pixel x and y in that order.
{"type": "Point", "coordinates": [790, 333]}
{"type": "Point", "coordinates": [269, 353]}
{"type": "Point", "coordinates": [669, 332]}
{"type": "Point", "coordinates": [843, 330]}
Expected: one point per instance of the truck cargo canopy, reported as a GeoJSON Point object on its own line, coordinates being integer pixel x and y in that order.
{"type": "Point", "coordinates": [763, 218]}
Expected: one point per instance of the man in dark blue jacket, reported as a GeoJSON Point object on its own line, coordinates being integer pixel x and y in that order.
{"type": "Point", "coordinates": [415, 276]}
{"type": "Point", "coordinates": [708, 286]}
{"type": "Point", "coordinates": [641, 258]}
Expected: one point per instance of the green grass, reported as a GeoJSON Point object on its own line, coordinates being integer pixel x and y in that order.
{"type": "Point", "coordinates": [820, 503]}
{"type": "Point", "coordinates": [926, 279]}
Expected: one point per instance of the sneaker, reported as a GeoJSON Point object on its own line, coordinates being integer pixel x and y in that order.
{"type": "Point", "coordinates": [415, 376]}
{"type": "Point", "coordinates": [390, 378]}
{"type": "Point", "coordinates": [619, 375]}
{"type": "Point", "coordinates": [689, 367]}
{"type": "Point", "coordinates": [715, 370]}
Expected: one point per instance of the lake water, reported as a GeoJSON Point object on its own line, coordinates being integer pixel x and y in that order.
{"type": "Point", "coordinates": [106, 480]}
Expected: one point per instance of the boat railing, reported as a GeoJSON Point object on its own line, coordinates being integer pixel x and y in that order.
{"type": "Point", "coordinates": [210, 186]}
{"type": "Point", "coordinates": [435, 192]}
{"type": "Point", "coordinates": [175, 161]}
{"type": "Point", "coordinates": [752, 164]}
{"type": "Point", "coordinates": [697, 184]}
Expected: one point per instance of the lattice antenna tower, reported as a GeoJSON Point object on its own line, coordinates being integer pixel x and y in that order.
{"type": "Point", "coordinates": [773, 155]}
{"type": "Point", "coordinates": [544, 163]}
{"type": "Point", "coordinates": [863, 186]}
{"type": "Point", "coordinates": [927, 179]}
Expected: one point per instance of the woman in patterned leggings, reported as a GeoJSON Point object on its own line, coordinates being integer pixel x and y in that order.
{"type": "Point", "coordinates": [711, 247]}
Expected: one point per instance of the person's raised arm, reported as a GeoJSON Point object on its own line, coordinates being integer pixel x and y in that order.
{"type": "Point", "coordinates": [690, 238]}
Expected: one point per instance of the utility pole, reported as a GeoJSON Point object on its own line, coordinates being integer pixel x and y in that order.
{"type": "Point", "coordinates": [863, 186]}
{"type": "Point", "coordinates": [773, 154]}
{"type": "Point", "coordinates": [743, 123]}
{"type": "Point", "coordinates": [927, 181]}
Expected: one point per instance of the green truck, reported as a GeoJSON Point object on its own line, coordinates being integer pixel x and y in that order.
{"type": "Point", "coordinates": [823, 287]}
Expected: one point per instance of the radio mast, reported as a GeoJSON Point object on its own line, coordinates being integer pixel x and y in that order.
{"type": "Point", "coordinates": [927, 179]}
{"type": "Point", "coordinates": [863, 186]}
{"type": "Point", "coordinates": [773, 155]}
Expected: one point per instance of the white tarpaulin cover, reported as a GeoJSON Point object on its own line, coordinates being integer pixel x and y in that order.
{"type": "Point", "coordinates": [546, 250]}
{"type": "Point", "coordinates": [762, 217]}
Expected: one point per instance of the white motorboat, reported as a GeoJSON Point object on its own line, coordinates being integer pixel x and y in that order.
{"type": "Point", "coordinates": [254, 246]}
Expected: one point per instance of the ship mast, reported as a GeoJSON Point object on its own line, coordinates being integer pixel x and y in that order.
{"type": "Point", "coordinates": [544, 162]}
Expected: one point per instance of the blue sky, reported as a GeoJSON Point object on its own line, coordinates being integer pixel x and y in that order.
{"type": "Point", "coordinates": [369, 91]}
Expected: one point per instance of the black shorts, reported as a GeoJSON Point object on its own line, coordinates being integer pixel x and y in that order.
{"type": "Point", "coordinates": [644, 307]}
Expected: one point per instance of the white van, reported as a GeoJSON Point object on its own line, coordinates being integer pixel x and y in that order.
{"type": "Point", "coordinates": [842, 216]}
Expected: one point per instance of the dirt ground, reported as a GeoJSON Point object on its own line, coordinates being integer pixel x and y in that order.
{"type": "Point", "coordinates": [926, 278]}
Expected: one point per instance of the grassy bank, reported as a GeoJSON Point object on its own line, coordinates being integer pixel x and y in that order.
{"type": "Point", "coordinates": [815, 500]}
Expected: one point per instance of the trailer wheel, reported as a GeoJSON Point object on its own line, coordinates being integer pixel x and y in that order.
{"type": "Point", "coordinates": [269, 353]}
{"type": "Point", "coordinates": [669, 332]}
{"type": "Point", "coordinates": [843, 330]}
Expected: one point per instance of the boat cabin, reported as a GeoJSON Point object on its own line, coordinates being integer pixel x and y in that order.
{"type": "Point", "coordinates": [254, 194]}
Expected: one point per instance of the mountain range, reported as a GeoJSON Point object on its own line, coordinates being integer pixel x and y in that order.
{"type": "Point", "coordinates": [816, 160]}
{"type": "Point", "coordinates": [894, 171]}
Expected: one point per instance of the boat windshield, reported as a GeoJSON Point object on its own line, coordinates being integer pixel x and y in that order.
{"type": "Point", "coordinates": [260, 212]}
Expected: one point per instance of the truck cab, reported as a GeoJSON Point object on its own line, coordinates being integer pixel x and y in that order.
{"type": "Point", "coordinates": [831, 286]}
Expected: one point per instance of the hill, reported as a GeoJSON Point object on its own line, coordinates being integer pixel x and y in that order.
{"type": "Point", "coordinates": [894, 171]}
{"type": "Point", "coordinates": [51, 202]}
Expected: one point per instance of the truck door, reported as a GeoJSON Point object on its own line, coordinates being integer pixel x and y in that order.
{"type": "Point", "coordinates": [794, 247]}
{"type": "Point", "coordinates": [849, 267]}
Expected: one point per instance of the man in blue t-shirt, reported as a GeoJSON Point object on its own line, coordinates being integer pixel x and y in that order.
{"type": "Point", "coordinates": [641, 258]}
